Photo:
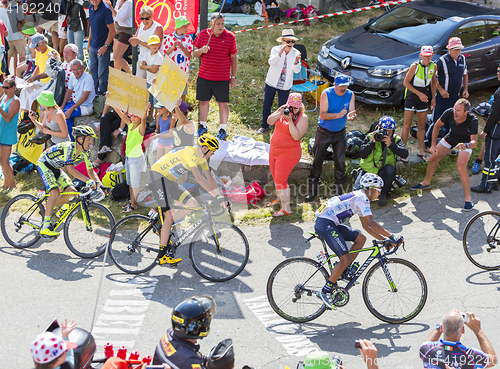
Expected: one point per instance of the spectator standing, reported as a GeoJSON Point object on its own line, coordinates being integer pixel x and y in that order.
{"type": "Point", "coordinates": [420, 83]}
{"type": "Point", "coordinates": [102, 31]}
{"type": "Point", "coordinates": [122, 12]}
{"type": "Point", "coordinates": [285, 150]}
{"type": "Point", "coordinates": [179, 47]}
{"type": "Point", "coordinates": [9, 111]}
{"type": "Point", "coordinates": [336, 108]}
{"type": "Point", "coordinates": [151, 64]}
{"type": "Point", "coordinates": [81, 85]}
{"type": "Point", "coordinates": [147, 28]}
{"type": "Point", "coordinates": [379, 157]}
{"type": "Point", "coordinates": [17, 43]}
{"type": "Point", "coordinates": [284, 61]}
{"type": "Point", "coordinates": [77, 25]}
{"type": "Point", "coordinates": [218, 65]}
{"type": "Point", "coordinates": [451, 76]}
{"type": "Point", "coordinates": [491, 135]}
{"type": "Point", "coordinates": [435, 352]}
{"type": "Point", "coordinates": [164, 131]}
{"type": "Point", "coordinates": [60, 29]}
{"type": "Point", "coordinates": [53, 122]}
{"type": "Point", "coordinates": [463, 135]}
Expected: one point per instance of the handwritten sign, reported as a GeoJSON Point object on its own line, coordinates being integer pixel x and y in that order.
{"type": "Point", "coordinates": [126, 92]}
{"type": "Point", "coordinates": [170, 83]}
{"type": "Point", "coordinates": [27, 149]}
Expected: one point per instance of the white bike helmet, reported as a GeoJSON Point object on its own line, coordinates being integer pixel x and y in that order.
{"type": "Point", "coordinates": [370, 180]}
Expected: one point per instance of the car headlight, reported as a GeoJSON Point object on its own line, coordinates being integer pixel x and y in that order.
{"type": "Point", "coordinates": [324, 52]}
{"type": "Point", "coordinates": [387, 71]}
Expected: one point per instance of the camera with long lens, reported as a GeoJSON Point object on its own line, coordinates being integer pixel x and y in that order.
{"type": "Point", "coordinates": [286, 111]}
{"type": "Point", "coordinates": [379, 134]}
{"type": "Point", "coordinates": [398, 182]}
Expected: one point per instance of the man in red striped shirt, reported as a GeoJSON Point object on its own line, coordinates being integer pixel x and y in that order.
{"type": "Point", "coordinates": [218, 64]}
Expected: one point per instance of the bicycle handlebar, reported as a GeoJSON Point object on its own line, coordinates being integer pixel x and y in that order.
{"type": "Point", "coordinates": [388, 245]}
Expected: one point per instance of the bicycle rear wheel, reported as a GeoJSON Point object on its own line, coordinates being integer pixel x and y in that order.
{"type": "Point", "coordinates": [88, 240]}
{"type": "Point", "coordinates": [134, 244]}
{"type": "Point", "coordinates": [215, 265]}
{"type": "Point", "coordinates": [397, 297]}
{"type": "Point", "coordinates": [292, 288]}
{"type": "Point", "coordinates": [21, 220]}
{"type": "Point", "coordinates": [481, 240]}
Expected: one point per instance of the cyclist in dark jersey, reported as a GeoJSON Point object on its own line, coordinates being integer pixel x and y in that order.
{"type": "Point", "coordinates": [65, 155]}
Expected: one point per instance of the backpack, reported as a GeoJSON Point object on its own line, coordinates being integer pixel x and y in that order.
{"type": "Point", "coordinates": [120, 192]}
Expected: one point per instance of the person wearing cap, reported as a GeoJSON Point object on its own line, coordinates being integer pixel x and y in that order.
{"type": "Point", "coordinates": [79, 97]}
{"type": "Point", "coordinates": [101, 34]}
{"type": "Point", "coordinates": [285, 150]}
{"type": "Point", "coordinates": [61, 349]}
{"type": "Point", "coordinates": [420, 83]}
{"type": "Point", "coordinates": [218, 65]}
{"type": "Point", "coordinates": [284, 61]}
{"type": "Point", "coordinates": [164, 131]}
{"type": "Point", "coordinates": [53, 122]}
{"type": "Point", "coordinates": [451, 77]}
{"type": "Point", "coordinates": [151, 64]}
{"type": "Point", "coordinates": [179, 46]}
{"type": "Point", "coordinates": [336, 108]}
{"type": "Point", "coordinates": [122, 13]}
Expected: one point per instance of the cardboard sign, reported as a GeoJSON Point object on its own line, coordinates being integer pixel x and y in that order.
{"type": "Point", "coordinates": [126, 92]}
{"type": "Point", "coordinates": [27, 149]}
{"type": "Point", "coordinates": [170, 83]}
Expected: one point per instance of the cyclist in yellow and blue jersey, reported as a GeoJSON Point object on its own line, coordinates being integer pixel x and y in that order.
{"type": "Point", "coordinates": [163, 175]}
{"type": "Point", "coordinates": [65, 155]}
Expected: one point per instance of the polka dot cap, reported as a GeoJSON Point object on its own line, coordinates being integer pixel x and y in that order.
{"type": "Point", "coordinates": [47, 347]}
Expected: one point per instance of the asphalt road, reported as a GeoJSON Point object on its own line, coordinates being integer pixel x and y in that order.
{"type": "Point", "coordinates": [47, 281]}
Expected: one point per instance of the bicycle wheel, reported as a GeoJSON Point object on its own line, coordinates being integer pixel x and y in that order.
{"type": "Point", "coordinates": [215, 265]}
{"type": "Point", "coordinates": [292, 288]}
{"type": "Point", "coordinates": [21, 220]}
{"type": "Point", "coordinates": [355, 4]}
{"type": "Point", "coordinates": [481, 240]}
{"type": "Point", "coordinates": [88, 240]}
{"type": "Point", "coordinates": [403, 301]}
{"type": "Point", "coordinates": [134, 244]}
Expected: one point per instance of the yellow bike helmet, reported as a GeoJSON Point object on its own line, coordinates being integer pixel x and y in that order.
{"type": "Point", "coordinates": [83, 131]}
{"type": "Point", "coordinates": [209, 141]}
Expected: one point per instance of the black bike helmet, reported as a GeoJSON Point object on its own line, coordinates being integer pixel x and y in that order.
{"type": "Point", "coordinates": [192, 317]}
{"type": "Point", "coordinates": [355, 133]}
{"type": "Point", "coordinates": [352, 147]}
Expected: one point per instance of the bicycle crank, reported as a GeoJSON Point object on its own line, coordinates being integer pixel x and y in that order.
{"type": "Point", "coordinates": [340, 297]}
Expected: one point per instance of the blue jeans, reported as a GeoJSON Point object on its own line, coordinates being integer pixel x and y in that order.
{"type": "Point", "coordinates": [70, 121]}
{"type": "Point", "coordinates": [99, 71]}
{"type": "Point", "coordinates": [77, 39]}
{"type": "Point", "coordinates": [269, 93]}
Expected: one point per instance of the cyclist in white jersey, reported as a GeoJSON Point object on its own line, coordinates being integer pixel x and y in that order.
{"type": "Point", "coordinates": [337, 210]}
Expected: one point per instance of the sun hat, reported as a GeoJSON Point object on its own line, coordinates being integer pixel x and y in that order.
{"type": "Point", "coordinates": [46, 98]}
{"type": "Point", "coordinates": [294, 100]}
{"type": "Point", "coordinates": [47, 347]}
{"type": "Point", "coordinates": [73, 47]}
{"type": "Point", "coordinates": [221, 356]}
{"type": "Point", "coordinates": [319, 360]}
{"type": "Point", "coordinates": [426, 50]}
{"type": "Point", "coordinates": [181, 21]}
{"type": "Point", "coordinates": [153, 39]}
{"type": "Point", "coordinates": [184, 107]}
{"type": "Point", "coordinates": [29, 29]}
{"type": "Point", "coordinates": [288, 34]}
{"type": "Point", "coordinates": [35, 39]}
{"type": "Point", "coordinates": [342, 81]}
{"type": "Point", "coordinates": [455, 43]}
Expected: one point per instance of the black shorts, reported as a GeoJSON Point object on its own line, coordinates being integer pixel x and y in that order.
{"type": "Point", "coordinates": [205, 89]}
{"type": "Point", "coordinates": [123, 37]}
{"type": "Point", "coordinates": [335, 235]}
{"type": "Point", "coordinates": [416, 105]}
{"type": "Point", "coordinates": [166, 191]}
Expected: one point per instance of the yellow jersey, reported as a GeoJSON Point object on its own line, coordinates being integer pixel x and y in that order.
{"type": "Point", "coordinates": [178, 162]}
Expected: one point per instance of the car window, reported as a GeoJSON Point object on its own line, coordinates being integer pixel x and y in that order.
{"type": "Point", "coordinates": [492, 28]}
{"type": "Point", "coordinates": [471, 33]}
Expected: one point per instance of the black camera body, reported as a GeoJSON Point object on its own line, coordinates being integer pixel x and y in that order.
{"type": "Point", "coordinates": [398, 182]}
{"type": "Point", "coordinates": [379, 134]}
{"type": "Point", "coordinates": [286, 111]}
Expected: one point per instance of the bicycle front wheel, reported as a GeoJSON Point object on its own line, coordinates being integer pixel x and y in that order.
{"type": "Point", "coordinates": [221, 256]}
{"type": "Point", "coordinates": [134, 244]}
{"type": "Point", "coordinates": [399, 295]}
{"type": "Point", "coordinates": [481, 240]}
{"type": "Point", "coordinates": [21, 221]}
{"type": "Point", "coordinates": [292, 289]}
{"type": "Point", "coordinates": [87, 233]}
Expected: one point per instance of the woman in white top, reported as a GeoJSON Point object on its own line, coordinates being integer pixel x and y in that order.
{"type": "Point", "coordinates": [53, 122]}
{"type": "Point", "coordinates": [122, 13]}
{"type": "Point", "coordinates": [147, 28]}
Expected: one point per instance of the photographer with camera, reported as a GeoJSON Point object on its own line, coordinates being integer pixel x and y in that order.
{"type": "Point", "coordinates": [449, 351]}
{"type": "Point", "coordinates": [378, 155]}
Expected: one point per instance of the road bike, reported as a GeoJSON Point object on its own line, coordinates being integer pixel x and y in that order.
{"type": "Point", "coordinates": [87, 224]}
{"type": "Point", "coordinates": [218, 251]}
{"type": "Point", "coordinates": [394, 290]}
{"type": "Point", "coordinates": [481, 240]}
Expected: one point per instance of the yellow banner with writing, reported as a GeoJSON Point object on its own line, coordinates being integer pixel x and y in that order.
{"type": "Point", "coordinates": [170, 83]}
{"type": "Point", "coordinates": [126, 92]}
{"type": "Point", "coordinates": [28, 150]}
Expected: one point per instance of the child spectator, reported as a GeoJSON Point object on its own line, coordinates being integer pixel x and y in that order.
{"type": "Point", "coordinates": [164, 126]}
{"type": "Point", "coordinates": [179, 46]}
{"type": "Point", "coordinates": [151, 64]}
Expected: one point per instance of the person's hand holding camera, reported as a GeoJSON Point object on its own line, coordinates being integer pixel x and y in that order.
{"type": "Point", "coordinates": [387, 140]}
{"type": "Point", "coordinates": [474, 323]}
{"type": "Point", "coordinates": [368, 352]}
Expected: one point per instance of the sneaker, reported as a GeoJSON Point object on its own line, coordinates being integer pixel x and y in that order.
{"type": "Point", "coordinates": [202, 130]}
{"type": "Point", "coordinates": [327, 299]}
{"type": "Point", "coordinates": [47, 233]}
{"type": "Point", "coordinates": [104, 150]}
{"type": "Point", "coordinates": [221, 136]}
{"type": "Point", "coordinates": [468, 206]}
{"type": "Point", "coordinates": [168, 260]}
{"type": "Point", "coordinates": [454, 153]}
{"type": "Point", "coordinates": [476, 167]}
{"type": "Point", "coordinates": [420, 186]}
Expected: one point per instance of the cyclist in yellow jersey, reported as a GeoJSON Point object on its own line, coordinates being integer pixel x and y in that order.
{"type": "Point", "coordinates": [65, 154]}
{"type": "Point", "coordinates": [163, 175]}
